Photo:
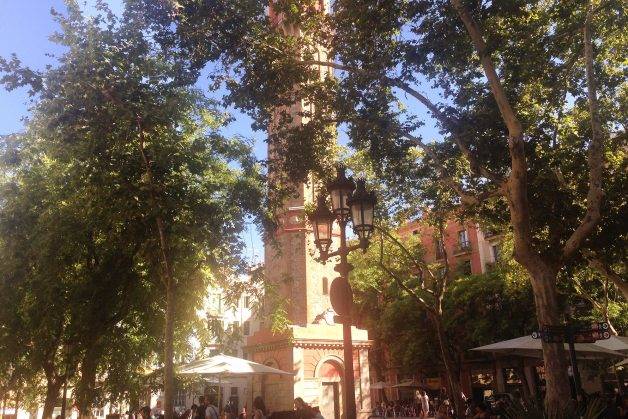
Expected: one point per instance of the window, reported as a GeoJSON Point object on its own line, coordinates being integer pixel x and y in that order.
{"type": "Point", "coordinates": [247, 301]}
{"type": "Point", "coordinates": [463, 241]}
{"type": "Point", "coordinates": [325, 285]}
{"type": "Point", "coordinates": [215, 304]}
{"type": "Point", "coordinates": [234, 391]}
{"type": "Point", "coordinates": [246, 328]}
{"type": "Point", "coordinates": [495, 249]}
{"type": "Point", "coordinates": [235, 326]}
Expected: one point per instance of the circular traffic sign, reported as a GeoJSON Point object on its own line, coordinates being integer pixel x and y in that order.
{"type": "Point", "coordinates": [341, 296]}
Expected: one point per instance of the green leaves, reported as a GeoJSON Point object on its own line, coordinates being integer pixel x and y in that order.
{"type": "Point", "coordinates": [81, 260]}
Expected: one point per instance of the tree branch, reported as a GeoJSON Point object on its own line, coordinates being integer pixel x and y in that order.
{"type": "Point", "coordinates": [595, 158]}
{"type": "Point", "coordinates": [448, 122]}
{"type": "Point", "coordinates": [418, 262]}
{"type": "Point", "coordinates": [609, 274]}
{"type": "Point", "coordinates": [466, 197]}
{"type": "Point", "coordinates": [516, 187]}
{"type": "Point", "coordinates": [508, 114]}
{"type": "Point", "coordinates": [400, 282]}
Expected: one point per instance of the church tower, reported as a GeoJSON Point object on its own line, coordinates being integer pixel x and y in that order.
{"type": "Point", "coordinates": [312, 347]}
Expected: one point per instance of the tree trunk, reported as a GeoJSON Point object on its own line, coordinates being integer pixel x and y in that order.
{"type": "Point", "coordinates": [85, 389]}
{"type": "Point", "coordinates": [558, 395]}
{"type": "Point", "coordinates": [452, 377]}
{"type": "Point", "coordinates": [169, 351]}
{"type": "Point", "coordinates": [52, 395]}
{"type": "Point", "coordinates": [169, 280]}
{"type": "Point", "coordinates": [17, 401]}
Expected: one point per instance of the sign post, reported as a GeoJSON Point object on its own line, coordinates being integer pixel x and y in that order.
{"type": "Point", "coordinates": [571, 335]}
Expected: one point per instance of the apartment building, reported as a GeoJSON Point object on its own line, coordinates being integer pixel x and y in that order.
{"type": "Point", "coordinates": [469, 249]}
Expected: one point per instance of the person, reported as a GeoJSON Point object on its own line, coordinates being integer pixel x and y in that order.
{"type": "Point", "coordinates": [425, 404]}
{"type": "Point", "coordinates": [211, 411]}
{"type": "Point", "coordinates": [200, 409]}
{"type": "Point", "coordinates": [145, 412]}
{"type": "Point", "coordinates": [623, 407]}
{"type": "Point", "coordinates": [481, 411]}
{"type": "Point", "coordinates": [303, 410]}
{"type": "Point", "coordinates": [231, 409]}
{"type": "Point", "coordinates": [259, 408]}
{"type": "Point", "coordinates": [442, 412]}
{"type": "Point", "coordinates": [317, 413]}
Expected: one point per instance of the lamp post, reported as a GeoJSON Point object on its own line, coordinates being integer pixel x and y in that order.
{"type": "Point", "coordinates": [357, 205]}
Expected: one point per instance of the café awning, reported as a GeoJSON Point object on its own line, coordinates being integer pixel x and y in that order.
{"type": "Point", "coordinates": [526, 346]}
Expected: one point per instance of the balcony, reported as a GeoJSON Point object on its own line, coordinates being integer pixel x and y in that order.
{"type": "Point", "coordinates": [462, 247]}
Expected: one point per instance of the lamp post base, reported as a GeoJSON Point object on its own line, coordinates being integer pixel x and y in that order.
{"type": "Point", "coordinates": [349, 384]}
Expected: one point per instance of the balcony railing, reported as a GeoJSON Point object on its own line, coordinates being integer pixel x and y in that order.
{"type": "Point", "coordinates": [463, 247]}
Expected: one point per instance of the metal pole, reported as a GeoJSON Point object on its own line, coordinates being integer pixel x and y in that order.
{"type": "Point", "coordinates": [347, 340]}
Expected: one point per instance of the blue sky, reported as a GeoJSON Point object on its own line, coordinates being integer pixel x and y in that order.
{"type": "Point", "coordinates": [25, 26]}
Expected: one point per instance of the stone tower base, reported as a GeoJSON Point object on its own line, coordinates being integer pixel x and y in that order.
{"type": "Point", "coordinates": [315, 355]}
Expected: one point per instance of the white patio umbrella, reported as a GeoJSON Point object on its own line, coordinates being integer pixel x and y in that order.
{"type": "Point", "coordinates": [380, 385]}
{"type": "Point", "coordinates": [411, 383]}
{"type": "Point", "coordinates": [227, 366]}
{"type": "Point", "coordinates": [615, 343]}
{"type": "Point", "coordinates": [529, 347]}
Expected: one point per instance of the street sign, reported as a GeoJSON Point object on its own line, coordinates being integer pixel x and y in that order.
{"type": "Point", "coordinates": [557, 334]}
{"type": "Point", "coordinates": [548, 337]}
{"type": "Point", "coordinates": [602, 326]}
{"type": "Point", "coordinates": [553, 329]}
{"type": "Point", "coordinates": [553, 338]}
{"type": "Point", "coordinates": [590, 336]}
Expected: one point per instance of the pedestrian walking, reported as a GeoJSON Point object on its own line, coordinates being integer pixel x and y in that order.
{"type": "Point", "coordinates": [259, 408]}
{"type": "Point", "coordinates": [425, 404]}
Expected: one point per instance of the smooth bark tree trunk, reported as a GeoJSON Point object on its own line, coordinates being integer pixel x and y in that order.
{"type": "Point", "coordinates": [169, 351]}
{"type": "Point", "coordinates": [52, 394]}
{"type": "Point", "coordinates": [558, 390]}
{"type": "Point", "coordinates": [169, 281]}
{"type": "Point", "coordinates": [452, 377]}
{"type": "Point", "coordinates": [87, 384]}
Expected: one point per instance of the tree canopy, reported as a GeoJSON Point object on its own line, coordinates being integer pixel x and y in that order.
{"type": "Point", "coordinates": [121, 175]}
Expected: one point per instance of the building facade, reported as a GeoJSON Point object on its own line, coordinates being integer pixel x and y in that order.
{"type": "Point", "coordinates": [468, 248]}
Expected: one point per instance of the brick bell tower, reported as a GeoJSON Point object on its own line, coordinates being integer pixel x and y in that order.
{"type": "Point", "coordinates": [312, 347]}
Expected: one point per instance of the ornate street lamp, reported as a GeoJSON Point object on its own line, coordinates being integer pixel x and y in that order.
{"type": "Point", "coordinates": [340, 190]}
{"type": "Point", "coordinates": [322, 219]}
{"type": "Point", "coordinates": [357, 205]}
{"type": "Point", "coordinates": [362, 205]}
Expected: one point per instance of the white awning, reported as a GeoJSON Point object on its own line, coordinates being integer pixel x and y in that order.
{"type": "Point", "coordinates": [225, 365]}
{"type": "Point", "coordinates": [529, 347]}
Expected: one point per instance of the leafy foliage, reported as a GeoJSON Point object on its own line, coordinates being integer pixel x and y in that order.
{"type": "Point", "coordinates": [82, 276]}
